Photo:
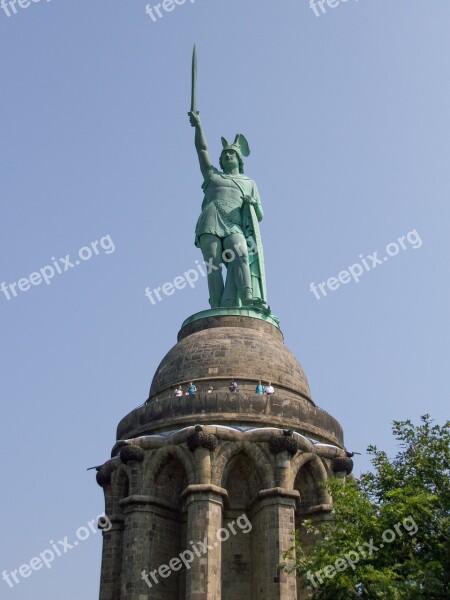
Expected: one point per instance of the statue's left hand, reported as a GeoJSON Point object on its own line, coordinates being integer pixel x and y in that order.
{"type": "Point", "coordinates": [249, 199]}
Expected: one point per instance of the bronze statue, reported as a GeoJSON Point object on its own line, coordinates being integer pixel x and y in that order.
{"type": "Point", "coordinates": [227, 230]}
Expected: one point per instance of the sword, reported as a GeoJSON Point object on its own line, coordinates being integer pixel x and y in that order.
{"type": "Point", "coordinates": [194, 82]}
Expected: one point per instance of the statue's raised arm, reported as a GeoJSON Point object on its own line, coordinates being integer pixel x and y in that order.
{"type": "Point", "coordinates": [200, 143]}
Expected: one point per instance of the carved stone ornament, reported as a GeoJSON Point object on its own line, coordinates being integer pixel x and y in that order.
{"type": "Point", "coordinates": [132, 454]}
{"type": "Point", "coordinates": [103, 478]}
{"type": "Point", "coordinates": [342, 464]}
{"type": "Point", "coordinates": [284, 443]}
{"type": "Point", "coordinates": [201, 439]}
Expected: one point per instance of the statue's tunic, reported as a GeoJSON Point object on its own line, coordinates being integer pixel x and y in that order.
{"type": "Point", "coordinates": [222, 206]}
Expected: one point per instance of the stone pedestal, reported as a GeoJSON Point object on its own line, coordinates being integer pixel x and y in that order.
{"type": "Point", "coordinates": [205, 493]}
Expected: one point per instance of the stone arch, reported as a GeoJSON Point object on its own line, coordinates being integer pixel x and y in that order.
{"type": "Point", "coordinates": [308, 473]}
{"type": "Point", "coordinates": [241, 480]}
{"type": "Point", "coordinates": [169, 472]}
{"type": "Point", "coordinates": [243, 470]}
{"type": "Point", "coordinates": [225, 451]}
{"type": "Point", "coordinates": [222, 462]}
{"type": "Point", "coordinates": [161, 455]}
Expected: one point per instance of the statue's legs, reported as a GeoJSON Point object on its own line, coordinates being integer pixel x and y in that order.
{"type": "Point", "coordinates": [238, 270]}
{"type": "Point", "coordinates": [230, 296]}
{"type": "Point", "coordinates": [211, 247]}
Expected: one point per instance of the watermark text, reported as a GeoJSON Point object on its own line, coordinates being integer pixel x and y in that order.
{"type": "Point", "coordinates": [365, 550]}
{"type": "Point", "coordinates": [368, 263]}
{"type": "Point", "coordinates": [197, 550]}
{"type": "Point", "coordinates": [57, 549]}
{"type": "Point", "coordinates": [58, 266]}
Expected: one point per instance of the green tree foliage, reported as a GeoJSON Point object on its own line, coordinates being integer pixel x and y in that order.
{"type": "Point", "coordinates": [388, 536]}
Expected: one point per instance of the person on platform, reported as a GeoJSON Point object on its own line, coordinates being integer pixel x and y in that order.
{"type": "Point", "coordinates": [192, 389]}
{"type": "Point", "coordinates": [233, 387]}
{"type": "Point", "coordinates": [178, 392]}
{"type": "Point", "coordinates": [259, 390]}
{"type": "Point", "coordinates": [269, 391]}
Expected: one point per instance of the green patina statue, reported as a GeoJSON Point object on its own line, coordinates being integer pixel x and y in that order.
{"type": "Point", "coordinates": [227, 230]}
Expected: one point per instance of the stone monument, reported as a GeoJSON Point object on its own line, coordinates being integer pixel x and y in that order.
{"type": "Point", "coordinates": [205, 487]}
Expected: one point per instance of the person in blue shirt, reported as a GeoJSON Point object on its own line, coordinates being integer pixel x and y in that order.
{"type": "Point", "coordinates": [259, 390]}
{"type": "Point", "coordinates": [192, 390]}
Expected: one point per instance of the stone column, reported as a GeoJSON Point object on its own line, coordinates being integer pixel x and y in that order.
{"type": "Point", "coordinates": [138, 519]}
{"type": "Point", "coordinates": [137, 523]}
{"type": "Point", "coordinates": [112, 560]}
{"type": "Point", "coordinates": [112, 542]}
{"type": "Point", "coordinates": [282, 469]}
{"type": "Point", "coordinates": [205, 505]}
{"type": "Point", "coordinates": [203, 465]}
{"type": "Point", "coordinates": [273, 526]}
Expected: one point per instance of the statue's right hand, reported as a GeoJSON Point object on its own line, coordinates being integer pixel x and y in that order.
{"type": "Point", "coordinates": [194, 119]}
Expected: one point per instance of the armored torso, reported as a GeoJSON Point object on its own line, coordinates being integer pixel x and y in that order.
{"type": "Point", "coordinates": [221, 209]}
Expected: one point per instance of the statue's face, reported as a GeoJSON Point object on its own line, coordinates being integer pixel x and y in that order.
{"type": "Point", "coordinates": [230, 160]}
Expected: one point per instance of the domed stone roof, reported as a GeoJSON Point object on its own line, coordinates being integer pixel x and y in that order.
{"type": "Point", "coordinates": [214, 350]}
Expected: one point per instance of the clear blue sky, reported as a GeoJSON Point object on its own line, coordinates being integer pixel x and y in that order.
{"type": "Point", "coordinates": [347, 116]}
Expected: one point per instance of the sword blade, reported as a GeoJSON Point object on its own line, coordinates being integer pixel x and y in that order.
{"type": "Point", "coordinates": [194, 81]}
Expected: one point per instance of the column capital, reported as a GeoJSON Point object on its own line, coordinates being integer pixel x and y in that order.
{"type": "Point", "coordinates": [280, 492]}
{"type": "Point", "coordinates": [203, 489]}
